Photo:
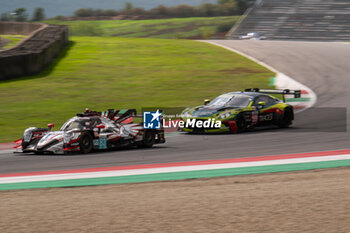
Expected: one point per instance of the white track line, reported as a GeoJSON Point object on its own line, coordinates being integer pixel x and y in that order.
{"type": "Point", "coordinates": [84, 175]}
{"type": "Point", "coordinates": [6, 151]}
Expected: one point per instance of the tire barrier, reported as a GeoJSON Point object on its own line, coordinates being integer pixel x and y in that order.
{"type": "Point", "coordinates": [32, 55]}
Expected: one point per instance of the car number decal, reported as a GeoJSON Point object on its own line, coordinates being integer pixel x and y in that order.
{"type": "Point", "coordinates": [266, 117]}
{"type": "Point", "coordinates": [102, 142]}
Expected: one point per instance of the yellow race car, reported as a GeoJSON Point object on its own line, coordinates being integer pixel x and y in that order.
{"type": "Point", "coordinates": [238, 111]}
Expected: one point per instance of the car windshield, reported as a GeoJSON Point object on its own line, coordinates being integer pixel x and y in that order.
{"type": "Point", "coordinates": [71, 124]}
{"type": "Point", "coordinates": [231, 101]}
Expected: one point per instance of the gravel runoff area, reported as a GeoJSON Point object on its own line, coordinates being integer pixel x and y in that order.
{"type": "Point", "coordinates": [306, 201]}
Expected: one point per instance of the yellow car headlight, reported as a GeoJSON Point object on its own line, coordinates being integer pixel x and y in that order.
{"type": "Point", "coordinates": [224, 115]}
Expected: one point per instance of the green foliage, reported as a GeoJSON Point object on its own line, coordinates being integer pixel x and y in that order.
{"type": "Point", "coordinates": [59, 17]}
{"type": "Point", "coordinates": [84, 12]}
{"type": "Point", "coordinates": [207, 34]}
{"type": "Point", "coordinates": [223, 8]}
{"type": "Point", "coordinates": [103, 73]}
{"type": "Point", "coordinates": [156, 28]}
{"type": "Point", "coordinates": [224, 27]}
{"type": "Point", "coordinates": [5, 17]}
{"type": "Point", "coordinates": [243, 5]}
{"type": "Point", "coordinates": [128, 6]}
{"type": "Point", "coordinates": [21, 15]}
{"type": "Point", "coordinates": [229, 8]}
{"type": "Point", "coordinates": [18, 15]}
{"type": "Point", "coordinates": [159, 10]}
{"type": "Point", "coordinates": [39, 14]}
{"type": "Point", "coordinates": [226, 1]}
{"type": "Point", "coordinates": [86, 29]}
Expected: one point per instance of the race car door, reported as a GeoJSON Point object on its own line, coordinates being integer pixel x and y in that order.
{"type": "Point", "coordinates": [266, 112]}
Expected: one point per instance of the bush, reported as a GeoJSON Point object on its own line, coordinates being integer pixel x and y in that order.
{"type": "Point", "coordinates": [58, 18]}
{"type": "Point", "coordinates": [207, 34]}
{"type": "Point", "coordinates": [224, 27]}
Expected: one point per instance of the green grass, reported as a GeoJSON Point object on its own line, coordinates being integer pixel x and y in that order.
{"type": "Point", "coordinates": [197, 27]}
{"type": "Point", "coordinates": [13, 40]}
{"type": "Point", "coordinates": [103, 73]}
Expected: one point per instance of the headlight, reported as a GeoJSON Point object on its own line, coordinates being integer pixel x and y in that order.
{"type": "Point", "coordinates": [67, 137]}
{"type": "Point", "coordinates": [224, 115]}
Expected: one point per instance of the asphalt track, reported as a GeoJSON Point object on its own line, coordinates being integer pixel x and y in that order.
{"type": "Point", "coordinates": [322, 66]}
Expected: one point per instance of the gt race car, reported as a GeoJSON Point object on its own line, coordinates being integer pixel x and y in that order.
{"type": "Point", "coordinates": [89, 131]}
{"type": "Point", "coordinates": [241, 111]}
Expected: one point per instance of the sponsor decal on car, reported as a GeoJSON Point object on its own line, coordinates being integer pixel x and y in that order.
{"type": "Point", "coordinates": [267, 117]}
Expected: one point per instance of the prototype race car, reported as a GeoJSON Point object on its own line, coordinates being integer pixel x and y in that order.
{"type": "Point", "coordinates": [252, 36]}
{"type": "Point", "coordinates": [90, 130]}
{"type": "Point", "coordinates": [239, 111]}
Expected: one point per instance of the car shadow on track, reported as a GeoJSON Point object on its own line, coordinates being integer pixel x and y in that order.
{"type": "Point", "coordinates": [95, 152]}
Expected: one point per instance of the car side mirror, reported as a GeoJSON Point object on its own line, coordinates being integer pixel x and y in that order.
{"type": "Point", "coordinates": [206, 101]}
{"type": "Point", "coordinates": [262, 103]}
{"type": "Point", "coordinates": [100, 126]}
{"type": "Point", "coordinates": [50, 126]}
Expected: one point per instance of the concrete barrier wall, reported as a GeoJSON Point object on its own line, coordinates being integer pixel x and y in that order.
{"type": "Point", "coordinates": [16, 28]}
{"type": "Point", "coordinates": [33, 54]}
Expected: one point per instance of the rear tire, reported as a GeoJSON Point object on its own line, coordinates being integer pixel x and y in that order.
{"type": "Point", "coordinates": [85, 143]}
{"type": "Point", "coordinates": [287, 118]}
{"type": "Point", "coordinates": [148, 140]}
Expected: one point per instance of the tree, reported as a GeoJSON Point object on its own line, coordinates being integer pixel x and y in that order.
{"type": "Point", "coordinates": [39, 14]}
{"type": "Point", "coordinates": [159, 10]}
{"type": "Point", "coordinates": [58, 17]}
{"type": "Point", "coordinates": [185, 11]}
{"type": "Point", "coordinates": [226, 1]}
{"type": "Point", "coordinates": [228, 8]}
{"type": "Point", "coordinates": [206, 9]}
{"type": "Point", "coordinates": [5, 17]}
{"type": "Point", "coordinates": [242, 5]}
{"type": "Point", "coordinates": [128, 6]}
{"type": "Point", "coordinates": [110, 12]}
{"type": "Point", "coordinates": [21, 15]}
{"type": "Point", "coordinates": [88, 12]}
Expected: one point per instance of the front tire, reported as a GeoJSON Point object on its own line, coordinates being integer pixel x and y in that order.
{"type": "Point", "coordinates": [85, 143]}
{"type": "Point", "coordinates": [241, 124]}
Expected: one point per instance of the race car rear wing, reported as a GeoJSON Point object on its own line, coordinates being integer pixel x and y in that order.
{"type": "Point", "coordinates": [123, 115]}
{"type": "Point", "coordinates": [119, 116]}
{"type": "Point", "coordinates": [296, 93]}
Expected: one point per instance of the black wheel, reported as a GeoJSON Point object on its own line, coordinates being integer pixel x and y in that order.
{"type": "Point", "coordinates": [286, 119]}
{"type": "Point", "coordinates": [149, 139]}
{"type": "Point", "coordinates": [85, 143]}
{"type": "Point", "coordinates": [241, 124]}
